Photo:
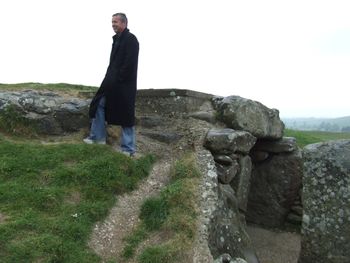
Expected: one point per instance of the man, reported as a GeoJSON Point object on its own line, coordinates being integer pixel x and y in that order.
{"type": "Point", "coordinates": [114, 102]}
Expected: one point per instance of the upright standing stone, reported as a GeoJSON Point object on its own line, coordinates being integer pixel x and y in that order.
{"type": "Point", "coordinates": [326, 201]}
{"type": "Point", "coordinates": [275, 184]}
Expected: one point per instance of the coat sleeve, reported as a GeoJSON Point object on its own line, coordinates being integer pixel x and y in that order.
{"type": "Point", "coordinates": [128, 69]}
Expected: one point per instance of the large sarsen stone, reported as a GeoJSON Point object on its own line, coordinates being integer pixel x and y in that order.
{"type": "Point", "coordinates": [251, 116]}
{"type": "Point", "coordinates": [326, 202]}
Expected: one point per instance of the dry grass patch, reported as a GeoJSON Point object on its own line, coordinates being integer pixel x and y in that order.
{"type": "Point", "coordinates": [3, 218]}
{"type": "Point", "coordinates": [73, 198]}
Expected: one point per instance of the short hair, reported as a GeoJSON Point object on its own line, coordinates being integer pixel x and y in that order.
{"type": "Point", "coordinates": [122, 17]}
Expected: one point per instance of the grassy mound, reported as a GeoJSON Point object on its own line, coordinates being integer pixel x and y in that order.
{"type": "Point", "coordinates": [52, 195]}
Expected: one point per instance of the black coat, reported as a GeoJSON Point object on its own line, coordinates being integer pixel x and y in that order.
{"type": "Point", "coordinates": [120, 83]}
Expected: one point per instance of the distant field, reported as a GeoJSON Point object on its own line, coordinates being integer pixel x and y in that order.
{"type": "Point", "coordinates": [307, 137]}
{"type": "Point", "coordinates": [340, 124]}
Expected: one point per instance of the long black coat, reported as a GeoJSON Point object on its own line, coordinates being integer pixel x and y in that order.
{"type": "Point", "coordinates": [120, 83]}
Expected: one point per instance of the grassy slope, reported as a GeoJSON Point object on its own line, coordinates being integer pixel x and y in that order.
{"type": "Point", "coordinates": [51, 196]}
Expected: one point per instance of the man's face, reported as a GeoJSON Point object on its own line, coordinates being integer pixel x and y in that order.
{"type": "Point", "coordinates": [117, 24]}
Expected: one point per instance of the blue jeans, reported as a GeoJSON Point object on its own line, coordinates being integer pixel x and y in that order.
{"type": "Point", "coordinates": [98, 130]}
{"type": "Point", "coordinates": [98, 126]}
{"type": "Point", "coordinates": [128, 139]}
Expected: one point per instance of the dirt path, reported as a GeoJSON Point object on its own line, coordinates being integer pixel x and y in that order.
{"type": "Point", "coordinates": [275, 247]}
{"type": "Point", "coordinates": [107, 237]}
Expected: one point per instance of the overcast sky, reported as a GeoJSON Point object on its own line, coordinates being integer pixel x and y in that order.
{"type": "Point", "coordinates": [290, 55]}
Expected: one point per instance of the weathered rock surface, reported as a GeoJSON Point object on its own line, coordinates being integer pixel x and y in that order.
{"type": "Point", "coordinates": [227, 141]}
{"type": "Point", "coordinates": [171, 101]}
{"type": "Point", "coordinates": [48, 112]}
{"type": "Point", "coordinates": [227, 172]}
{"type": "Point", "coordinates": [228, 233]}
{"type": "Point", "coordinates": [204, 115]}
{"type": "Point", "coordinates": [326, 202]}
{"type": "Point", "coordinates": [233, 166]}
{"type": "Point", "coordinates": [274, 187]}
{"type": "Point", "coordinates": [241, 182]}
{"type": "Point", "coordinates": [243, 114]}
{"type": "Point", "coordinates": [163, 136]}
{"type": "Point", "coordinates": [226, 258]}
{"type": "Point", "coordinates": [221, 228]}
{"type": "Point", "coordinates": [285, 144]}
{"type": "Point", "coordinates": [208, 201]}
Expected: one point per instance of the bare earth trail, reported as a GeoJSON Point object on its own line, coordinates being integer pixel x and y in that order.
{"type": "Point", "coordinates": [275, 247]}
{"type": "Point", "coordinates": [107, 238]}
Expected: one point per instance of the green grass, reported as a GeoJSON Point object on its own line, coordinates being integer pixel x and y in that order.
{"type": "Point", "coordinates": [51, 196]}
{"type": "Point", "coordinates": [46, 86]}
{"type": "Point", "coordinates": [173, 211]}
{"type": "Point", "coordinates": [159, 254]}
{"type": "Point", "coordinates": [308, 137]}
{"type": "Point", "coordinates": [154, 212]}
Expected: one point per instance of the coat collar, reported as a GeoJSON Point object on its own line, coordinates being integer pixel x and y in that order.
{"type": "Point", "coordinates": [120, 35]}
{"type": "Point", "coordinates": [117, 38]}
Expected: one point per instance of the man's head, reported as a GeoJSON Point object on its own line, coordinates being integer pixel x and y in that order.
{"type": "Point", "coordinates": [119, 22]}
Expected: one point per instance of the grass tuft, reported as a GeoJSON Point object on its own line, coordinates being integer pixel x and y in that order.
{"type": "Point", "coordinates": [185, 168]}
{"type": "Point", "coordinates": [134, 240]}
{"type": "Point", "coordinates": [158, 254]}
{"type": "Point", "coordinates": [154, 212]}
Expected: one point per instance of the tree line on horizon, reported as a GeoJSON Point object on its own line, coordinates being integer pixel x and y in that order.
{"type": "Point", "coordinates": [318, 124]}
